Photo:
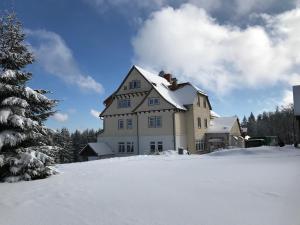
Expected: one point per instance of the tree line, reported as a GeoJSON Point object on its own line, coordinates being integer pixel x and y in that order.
{"type": "Point", "coordinates": [70, 144]}
{"type": "Point", "coordinates": [280, 122]}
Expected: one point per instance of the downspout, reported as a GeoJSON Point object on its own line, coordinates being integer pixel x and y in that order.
{"type": "Point", "coordinates": [174, 130]}
{"type": "Point", "coordinates": [137, 134]}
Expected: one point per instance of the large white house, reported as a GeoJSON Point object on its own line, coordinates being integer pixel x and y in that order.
{"type": "Point", "coordinates": [153, 112]}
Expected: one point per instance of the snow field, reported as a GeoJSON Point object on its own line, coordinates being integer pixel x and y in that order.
{"type": "Point", "coordinates": [258, 186]}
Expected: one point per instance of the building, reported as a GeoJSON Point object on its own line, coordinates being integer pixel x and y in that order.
{"type": "Point", "coordinates": [93, 151]}
{"type": "Point", "coordinates": [153, 112]}
{"type": "Point", "coordinates": [224, 132]}
{"type": "Point", "coordinates": [296, 98]}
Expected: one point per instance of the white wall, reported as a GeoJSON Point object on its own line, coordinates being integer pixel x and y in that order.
{"type": "Point", "coordinates": [168, 142]}
{"type": "Point", "coordinates": [112, 142]}
{"type": "Point", "coordinates": [144, 143]}
{"type": "Point", "coordinates": [180, 142]}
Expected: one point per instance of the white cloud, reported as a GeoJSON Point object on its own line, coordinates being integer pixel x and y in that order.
{"type": "Point", "coordinates": [95, 113]}
{"type": "Point", "coordinates": [61, 117]}
{"type": "Point", "coordinates": [287, 98]}
{"type": "Point", "coordinates": [189, 43]}
{"type": "Point", "coordinates": [57, 59]}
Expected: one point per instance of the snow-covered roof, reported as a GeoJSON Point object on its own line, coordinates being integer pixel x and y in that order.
{"type": "Point", "coordinates": [214, 114]}
{"type": "Point", "coordinates": [101, 148]}
{"type": "Point", "coordinates": [184, 95]}
{"type": "Point", "coordinates": [221, 124]}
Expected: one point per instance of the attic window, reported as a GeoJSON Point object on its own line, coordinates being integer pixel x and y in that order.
{"type": "Point", "coordinates": [134, 84]}
{"type": "Point", "coordinates": [124, 103]}
{"type": "Point", "coordinates": [153, 101]}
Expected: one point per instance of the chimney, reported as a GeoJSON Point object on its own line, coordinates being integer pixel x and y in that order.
{"type": "Point", "coordinates": [174, 83]}
{"type": "Point", "coordinates": [168, 77]}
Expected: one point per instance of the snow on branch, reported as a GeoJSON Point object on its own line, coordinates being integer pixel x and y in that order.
{"type": "Point", "coordinates": [9, 74]}
{"type": "Point", "coordinates": [14, 101]}
{"type": "Point", "coordinates": [30, 164]}
{"type": "Point", "coordinates": [11, 138]}
{"type": "Point", "coordinates": [30, 93]}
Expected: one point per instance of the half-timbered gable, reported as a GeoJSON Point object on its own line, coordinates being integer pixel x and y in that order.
{"type": "Point", "coordinates": [154, 102]}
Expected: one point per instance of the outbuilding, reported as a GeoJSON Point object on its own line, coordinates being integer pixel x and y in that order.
{"type": "Point", "coordinates": [94, 151]}
{"type": "Point", "coordinates": [224, 132]}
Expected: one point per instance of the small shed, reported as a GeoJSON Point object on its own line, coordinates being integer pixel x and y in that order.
{"type": "Point", "coordinates": [224, 132]}
{"type": "Point", "coordinates": [96, 150]}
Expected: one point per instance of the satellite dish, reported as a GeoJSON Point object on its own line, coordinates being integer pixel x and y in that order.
{"type": "Point", "coordinates": [161, 73]}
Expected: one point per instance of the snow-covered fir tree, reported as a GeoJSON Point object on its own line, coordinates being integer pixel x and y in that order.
{"type": "Point", "coordinates": [24, 154]}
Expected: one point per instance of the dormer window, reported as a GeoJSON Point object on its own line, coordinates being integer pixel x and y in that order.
{"type": "Point", "coordinates": [134, 84]}
{"type": "Point", "coordinates": [124, 103]}
{"type": "Point", "coordinates": [153, 101]}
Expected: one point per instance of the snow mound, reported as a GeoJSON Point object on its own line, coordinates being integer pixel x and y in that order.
{"type": "Point", "coordinates": [172, 152]}
{"type": "Point", "coordinates": [257, 151]}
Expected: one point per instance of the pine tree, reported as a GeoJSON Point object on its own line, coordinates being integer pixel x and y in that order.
{"type": "Point", "coordinates": [64, 141]}
{"type": "Point", "coordinates": [76, 144]}
{"type": "Point", "coordinates": [244, 122]}
{"type": "Point", "coordinates": [251, 125]}
{"type": "Point", "coordinates": [24, 154]}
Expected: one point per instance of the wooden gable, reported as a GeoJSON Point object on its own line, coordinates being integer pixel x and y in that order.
{"type": "Point", "coordinates": [153, 94]}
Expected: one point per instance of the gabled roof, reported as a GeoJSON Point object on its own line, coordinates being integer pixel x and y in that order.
{"type": "Point", "coordinates": [221, 124]}
{"type": "Point", "coordinates": [180, 97]}
{"type": "Point", "coordinates": [100, 148]}
{"type": "Point", "coordinates": [183, 95]}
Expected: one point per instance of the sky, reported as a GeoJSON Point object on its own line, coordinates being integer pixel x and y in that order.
{"type": "Point", "coordinates": [244, 53]}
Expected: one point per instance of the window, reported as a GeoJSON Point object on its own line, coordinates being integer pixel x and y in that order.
{"type": "Point", "coordinates": [200, 145]}
{"type": "Point", "coordinates": [199, 122]}
{"type": "Point", "coordinates": [121, 147]}
{"type": "Point", "coordinates": [124, 103]}
{"type": "Point", "coordinates": [158, 121]}
{"type": "Point", "coordinates": [130, 147]}
{"type": "Point", "coordinates": [199, 100]}
{"type": "Point", "coordinates": [121, 124]}
{"type": "Point", "coordinates": [152, 146]}
{"type": "Point", "coordinates": [204, 102]}
{"type": "Point", "coordinates": [154, 121]}
{"type": "Point", "coordinates": [153, 101]}
{"type": "Point", "coordinates": [129, 123]}
{"type": "Point", "coordinates": [134, 84]}
{"type": "Point", "coordinates": [205, 123]}
{"type": "Point", "coordinates": [151, 121]}
{"type": "Point", "coordinates": [160, 146]}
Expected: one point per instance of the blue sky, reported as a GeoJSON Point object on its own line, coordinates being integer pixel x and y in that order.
{"type": "Point", "coordinates": [244, 54]}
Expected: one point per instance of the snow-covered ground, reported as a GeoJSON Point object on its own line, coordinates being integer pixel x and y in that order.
{"type": "Point", "coordinates": [259, 186]}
